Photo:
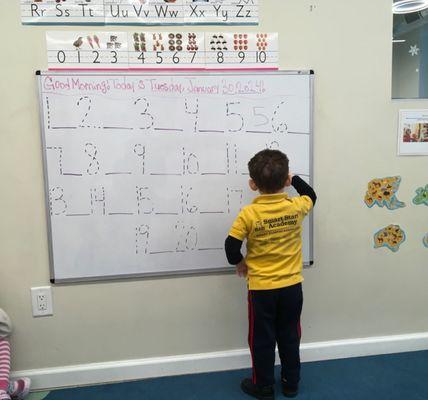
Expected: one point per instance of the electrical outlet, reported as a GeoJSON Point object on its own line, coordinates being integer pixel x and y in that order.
{"type": "Point", "coordinates": [41, 300]}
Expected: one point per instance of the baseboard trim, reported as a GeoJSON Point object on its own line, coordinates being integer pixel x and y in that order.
{"type": "Point", "coordinates": [117, 371]}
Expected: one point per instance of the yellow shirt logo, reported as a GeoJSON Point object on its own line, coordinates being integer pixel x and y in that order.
{"type": "Point", "coordinates": [272, 225]}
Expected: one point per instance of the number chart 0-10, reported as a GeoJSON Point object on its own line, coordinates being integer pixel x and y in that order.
{"type": "Point", "coordinates": [146, 172]}
{"type": "Point", "coordinates": [161, 50]}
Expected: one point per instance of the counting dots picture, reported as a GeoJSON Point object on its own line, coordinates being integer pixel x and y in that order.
{"type": "Point", "coordinates": [218, 42]}
{"type": "Point", "coordinates": [139, 41]}
{"type": "Point", "coordinates": [192, 42]}
{"type": "Point", "coordinates": [113, 42]}
{"type": "Point", "coordinates": [262, 42]}
{"type": "Point", "coordinates": [158, 42]}
{"type": "Point", "coordinates": [240, 41]}
{"type": "Point", "coordinates": [175, 42]}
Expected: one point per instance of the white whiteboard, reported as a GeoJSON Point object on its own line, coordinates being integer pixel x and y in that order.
{"type": "Point", "coordinates": [145, 173]}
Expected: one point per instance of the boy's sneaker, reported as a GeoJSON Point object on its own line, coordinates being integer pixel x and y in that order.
{"type": "Point", "coordinates": [260, 393]}
{"type": "Point", "coordinates": [19, 388]}
{"type": "Point", "coordinates": [288, 389]}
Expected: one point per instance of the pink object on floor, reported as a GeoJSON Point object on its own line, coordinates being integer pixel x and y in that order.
{"type": "Point", "coordinates": [4, 395]}
{"type": "Point", "coordinates": [20, 388]}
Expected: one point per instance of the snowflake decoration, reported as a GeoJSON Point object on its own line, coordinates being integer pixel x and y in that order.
{"type": "Point", "coordinates": [414, 50]}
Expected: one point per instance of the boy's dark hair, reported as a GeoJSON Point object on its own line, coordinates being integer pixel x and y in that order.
{"type": "Point", "coordinates": [269, 170]}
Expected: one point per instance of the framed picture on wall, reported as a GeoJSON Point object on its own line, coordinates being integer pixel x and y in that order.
{"type": "Point", "coordinates": [413, 133]}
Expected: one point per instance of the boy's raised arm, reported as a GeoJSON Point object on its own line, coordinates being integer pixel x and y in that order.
{"type": "Point", "coordinates": [303, 188]}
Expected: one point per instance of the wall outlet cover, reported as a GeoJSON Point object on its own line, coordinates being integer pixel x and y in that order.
{"type": "Point", "coordinates": [41, 300]}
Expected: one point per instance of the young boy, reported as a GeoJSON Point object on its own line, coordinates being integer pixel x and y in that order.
{"type": "Point", "coordinates": [272, 225]}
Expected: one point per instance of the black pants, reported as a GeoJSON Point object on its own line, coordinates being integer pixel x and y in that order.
{"type": "Point", "coordinates": [274, 317]}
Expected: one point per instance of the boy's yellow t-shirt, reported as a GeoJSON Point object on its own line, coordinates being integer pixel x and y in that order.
{"type": "Point", "coordinates": [272, 225]}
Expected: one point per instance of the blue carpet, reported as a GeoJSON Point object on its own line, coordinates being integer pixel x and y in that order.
{"type": "Point", "coordinates": [387, 377]}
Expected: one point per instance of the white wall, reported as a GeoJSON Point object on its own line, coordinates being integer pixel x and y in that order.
{"type": "Point", "coordinates": [353, 290]}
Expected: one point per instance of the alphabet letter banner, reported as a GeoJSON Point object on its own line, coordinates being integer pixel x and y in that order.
{"type": "Point", "coordinates": [140, 12]}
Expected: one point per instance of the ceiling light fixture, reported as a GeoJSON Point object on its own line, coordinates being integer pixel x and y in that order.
{"type": "Point", "coordinates": [409, 6]}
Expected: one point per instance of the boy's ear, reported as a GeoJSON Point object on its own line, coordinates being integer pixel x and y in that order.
{"type": "Point", "coordinates": [253, 185]}
{"type": "Point", "coordinates": [288, 180]}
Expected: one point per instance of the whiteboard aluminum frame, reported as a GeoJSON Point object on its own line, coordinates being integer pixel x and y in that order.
{"type": "Point", "coordinates": [46, 181]}
{"type": "Point", "coordinates": [165, 274]}
{"type": "Point", "coordinates": [311, 168]}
